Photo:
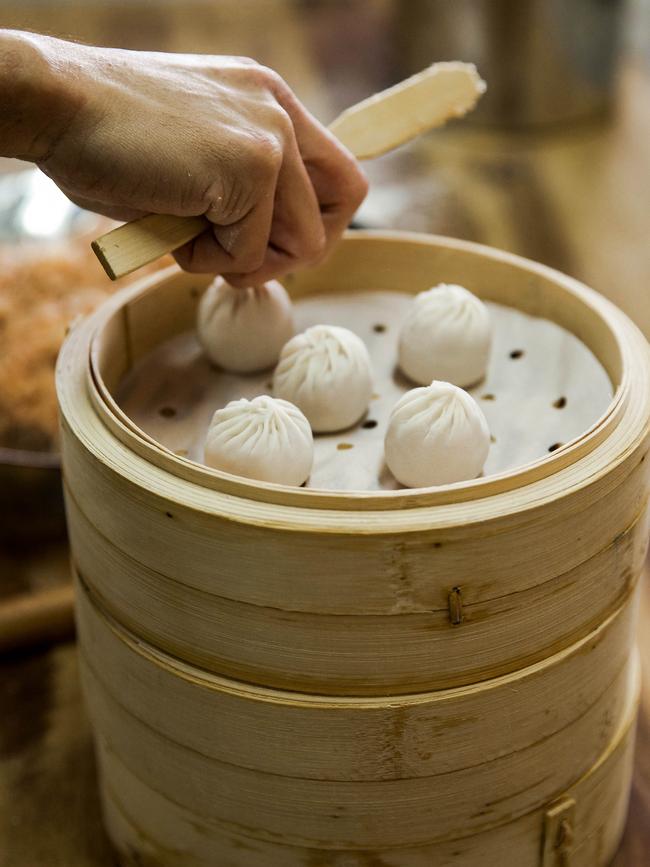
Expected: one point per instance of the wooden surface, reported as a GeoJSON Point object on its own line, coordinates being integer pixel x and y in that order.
{"type": "Point", "coordinates": [577, 200]}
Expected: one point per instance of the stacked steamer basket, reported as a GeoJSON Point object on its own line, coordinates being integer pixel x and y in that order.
{"type": "Point", "coordinates": [295, 677]}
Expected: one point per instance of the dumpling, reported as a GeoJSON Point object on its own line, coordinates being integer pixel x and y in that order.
{"type": "Point", "coordinates": [436, 435]}
{"type": "Point", "coordinates": [326, 372]}
{"type": "Point", "coordinates": [446, 336]}
{"type": "Point", "coordinates": [243, 330]}
{"type": "Point", "coordinates": [264, 438]}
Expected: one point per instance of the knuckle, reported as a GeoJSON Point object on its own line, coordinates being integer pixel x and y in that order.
{"type": "Point", "coordinates": [262, 76]}
{"type": "Point", "coordinates": [356, 186]}
{"type": "Point", "coordinates": [272, 78]}
{"type": "Point", "coordinates": [213, 197]}
{"type": "Point", "coordinates": [249, 62]}
{"type": "Point", "coordinates": [281, 121]}
{"type": "Point", "coordinates": [266, 152]}
{"type": "Point", "coordinates": [315, 247]}
{"type": "Point", "coordinates": [274, 122]}
{"type": "Point", "coordinates": [360, 186]}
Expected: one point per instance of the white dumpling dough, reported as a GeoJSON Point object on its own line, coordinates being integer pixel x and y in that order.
{"type": "Point", "coordinates": [265, 439]}
{"type": "Point", "coordinates": [326, 372]}
{"type": "Point", "coordinates": [436, 435]}
{"type": "Point", "coordinates": [446, 336]}
{"type": "Point", "coordinates": [243, 330]}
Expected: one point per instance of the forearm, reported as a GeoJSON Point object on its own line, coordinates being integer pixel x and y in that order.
{"type": "Point", "coordinates": [36, 95]}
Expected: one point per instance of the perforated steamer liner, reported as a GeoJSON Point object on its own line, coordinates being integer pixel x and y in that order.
{"type": "Point", "coordinates": [543, 389]}
{"type": "Point", "coordinates": [141, 321]}
{"type": "Point", "coordinates": [356, 592]}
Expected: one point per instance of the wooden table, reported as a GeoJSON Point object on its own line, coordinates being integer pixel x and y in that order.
{"type": "Point", "coordinates": [578, 200]}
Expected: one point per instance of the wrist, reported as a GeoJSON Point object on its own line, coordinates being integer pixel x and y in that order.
{"type": "Point", "coordinates": [37, 99]}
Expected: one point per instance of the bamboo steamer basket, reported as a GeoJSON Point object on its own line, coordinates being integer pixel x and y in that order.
{"type": "Point", "coordinates": [149, 829]}
{"type": "Point", "coordinates": [357, 592]}
{"type": "Point", "coordinates": [358, 677]}
{"type": "Point", "coordinates": [582, 688]}
{"type": "Point", "coordinates": [153, 716]}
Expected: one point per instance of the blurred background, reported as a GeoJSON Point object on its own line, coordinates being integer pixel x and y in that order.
{"type": "Point", "coordinates": [554, 162]}
{"type": "Point", "coordinates": [554, 165]}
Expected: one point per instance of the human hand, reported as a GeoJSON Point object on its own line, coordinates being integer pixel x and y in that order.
{"type": "Point", "coordinates": [189, 135]}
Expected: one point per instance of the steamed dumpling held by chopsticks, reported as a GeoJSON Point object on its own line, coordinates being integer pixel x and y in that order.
{"type": "Point", "coordinates": [244, 330]}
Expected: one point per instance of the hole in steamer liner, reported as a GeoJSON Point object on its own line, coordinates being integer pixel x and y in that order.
{"type": "Point", "coordinates": [369, 424]}
{"type": "Point", "coordinates": [167, 411]}
{"type": "Point", "coordinates": [555, 447]}
{"type": "Point", "coordinates": [517, 353]}
{"type": "Point", "coordinates": [560, 403]}
{"type": "Point", "coordinates": [379, 328]}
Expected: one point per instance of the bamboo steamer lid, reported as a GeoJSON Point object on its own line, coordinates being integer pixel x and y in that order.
{"type": "Point", "coordinates": [368, 592]}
